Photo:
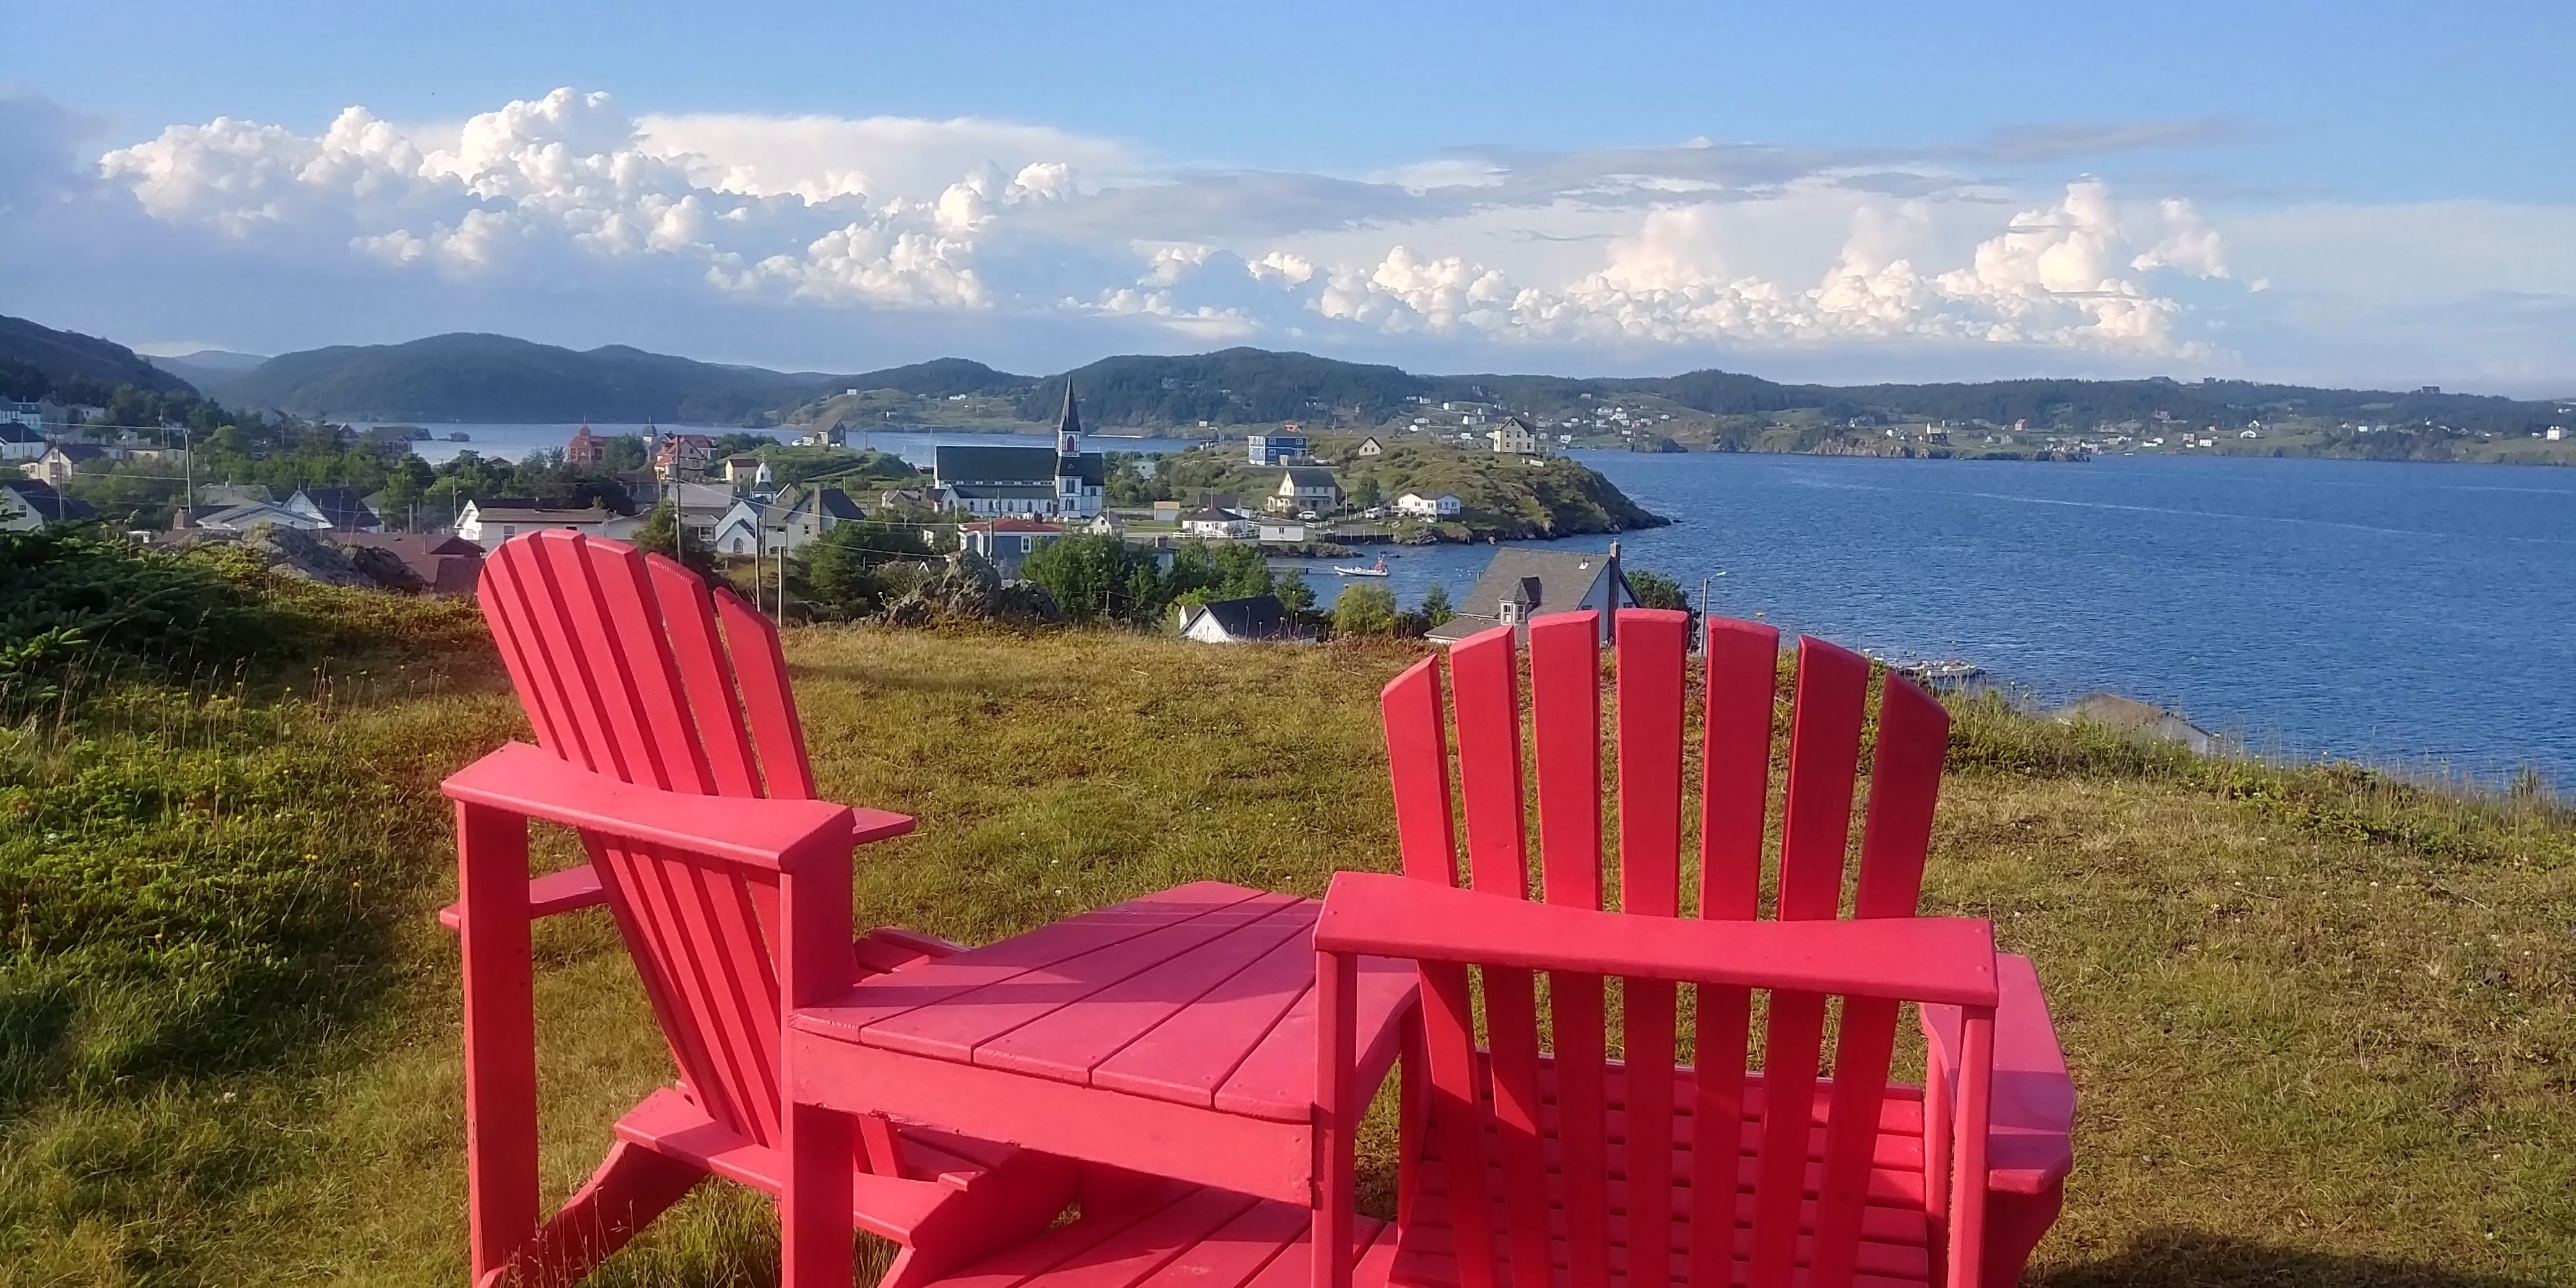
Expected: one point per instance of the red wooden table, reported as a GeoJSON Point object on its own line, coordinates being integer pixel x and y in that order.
{"type": "Point", "coordinates": [1173, 1035]}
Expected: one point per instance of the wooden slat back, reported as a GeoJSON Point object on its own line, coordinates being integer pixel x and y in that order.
{"type": "Point", "coordinates": [1565, 710]}
{"type": "Point", "coordinates": [1498, 1114]}
{"type": "Point", "coordinates": [1741, 666]}
{"type": "Point", "coordinates": [618, 659]}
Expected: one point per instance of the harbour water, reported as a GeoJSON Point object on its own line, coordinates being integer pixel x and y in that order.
{"type": "Point", "coordinates": [2397, 613]}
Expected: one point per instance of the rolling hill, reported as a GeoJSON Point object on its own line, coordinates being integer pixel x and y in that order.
{"type": "Point", "coordinates": [209, 369]}
{"type": "Point", "coordinates": [474, 377]}
{"type": "Point", "coordinates": [79, 367]}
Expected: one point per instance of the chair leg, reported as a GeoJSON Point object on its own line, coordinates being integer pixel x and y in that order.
{"type": "Point", "coordinates": [2015, 1224]}
{"type": "Point", "coordinates": [632, 1186]}
{"type": "Point", "coordinates": [1003, 1207]}
{"type": "Point", "coordinates": [500, 1038]}
{"type": "Point", "coordinates": [816, 1226]}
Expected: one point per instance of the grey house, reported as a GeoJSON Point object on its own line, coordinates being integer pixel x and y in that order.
{"type": "Point", "coordinates": [1521, 584]}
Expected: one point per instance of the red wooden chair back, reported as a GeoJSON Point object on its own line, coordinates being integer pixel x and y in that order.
{"type": "Point", "coordinates": [629, 666]}
{"type": "Point", "coordinates": [1641, 1168]}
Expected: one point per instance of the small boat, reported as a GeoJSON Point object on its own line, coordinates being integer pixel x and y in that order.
{"type": "Point", "coordinates": [460, 436]}
{"type": "Point", "coordinates": [1378, 570]}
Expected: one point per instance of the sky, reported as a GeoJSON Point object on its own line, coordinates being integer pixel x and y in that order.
{"type": "Point", "coordinates": [2376, 195]}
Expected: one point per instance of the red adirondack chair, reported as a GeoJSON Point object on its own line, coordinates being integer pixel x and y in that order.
{"type": "Point", "coordinates": [1821, 1181]}
{"type": "Point", "coordinates": [1521, 1167]}
{"type": "Point", "coordinates": [670, 741]}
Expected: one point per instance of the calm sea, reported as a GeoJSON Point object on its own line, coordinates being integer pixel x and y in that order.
{"type": "Point", "coordinates": [2418, 614]}
{"type": "Point", "coordinates": [510, 442]}
{"type": "Point", "coordinates": [2391, 612]}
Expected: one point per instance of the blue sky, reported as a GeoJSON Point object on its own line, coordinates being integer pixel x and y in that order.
{"type": "Point", "coordinates": [2317, 192]}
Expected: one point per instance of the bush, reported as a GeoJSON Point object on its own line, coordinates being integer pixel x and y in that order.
{"type": "Point", "coordinates": [1365, 610]}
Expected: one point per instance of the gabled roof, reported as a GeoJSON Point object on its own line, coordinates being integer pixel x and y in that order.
{"type": "Point", "coordinates": [1540, 581]}
{"type": "Point", "coordinates": [12, 431]}
{"type": "Point", "coordinates": [993, 465]}
{"type": "Point", "coordinates": [1212, 515]}
{"type": "Point", "coordinates": [831, 502]}
{"type": "Point", "coordinates": [341, 507]}
{"type": "Point", "coordinates": [81, 451]}
{"type": "Point", "coordinates": [1254, 617]}
{"type": "Point", "coordinates": [46, 503]}
{"type": "Point", "coordinates": [1312, 476]}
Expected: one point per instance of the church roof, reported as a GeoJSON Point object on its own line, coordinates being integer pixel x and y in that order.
{"type": "Point", "coordinates": [1071, 421]}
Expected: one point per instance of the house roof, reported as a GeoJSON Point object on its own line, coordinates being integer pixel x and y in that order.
{"type": "Point", "coordinates": [46, 503]}
{"type": "Point", "coordinates": [990, 465]}
{"type": "Point", "coordinates": [547, 514]}
{"type": "Point", "coordinates": [1540, 581]}
{"type": "Point", "coordinates": [449, 565]}
{"type": "Point", "coordinates": [342, 507]}
{"type": "Point", "coordinates": [81, 451]}
{"type": "Point", "coordinates": [1254, 617]}
{"type": "Point", "coordinates": [18, 432]}
{"type": "Point", "coordinates": [1015, 525]}
{"type": "Point", "coordinates": [1211, 515]}
{"type": "Point", "coordinates": [831, 502]}
{"type": "Point", "coordinates": [1312, 476]}
{"type": "Point", "coordinates": [247, 515]}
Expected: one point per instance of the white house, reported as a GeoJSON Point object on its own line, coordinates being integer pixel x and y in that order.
{"type": "Point", "coordinates": [751, 529]}
{"type": "Point", "coordinates": [1283, 531]}
{"type": "Point", "coordinates": [62, 460]}
{"type": "Point", "coordinates": [489, 527]}
{"type": "Point", "coordinates": [1370, 447]}
{"type": "Point", "coordinates": [26, 505]}
{"type": "Point", "coordinates": [1516, 437]}
{"type": "Point", "coordinates": [20, 441]}
{"type": "Point", "coordinates": [1254, 619]}
{"type": "Point", "coordinates": [245, 515]}
{"type": "Point", "coordinates": [1216, 523]}
{"type": "Point", "coordinates": [1303, 488]}
{"type": "Point", "coordinates": [1443, 506]}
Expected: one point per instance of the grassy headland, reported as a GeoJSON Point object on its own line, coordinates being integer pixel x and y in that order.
{"type": "Point", "coordinates": [2321, 1022]}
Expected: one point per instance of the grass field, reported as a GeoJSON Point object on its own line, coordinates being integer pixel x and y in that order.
{"type": "Point", "coordinates": [2322, 1025]}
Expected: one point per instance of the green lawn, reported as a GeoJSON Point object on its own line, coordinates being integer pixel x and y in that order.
{"type": "Point", "coordinates": [2322, 1027]}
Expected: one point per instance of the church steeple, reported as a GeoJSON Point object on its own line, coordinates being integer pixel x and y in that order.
{"type": "Point", "coordinates": [1068, 425]}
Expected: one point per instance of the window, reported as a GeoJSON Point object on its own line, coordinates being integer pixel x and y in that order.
{"type": "Point", "coordinates": [1511, 614]}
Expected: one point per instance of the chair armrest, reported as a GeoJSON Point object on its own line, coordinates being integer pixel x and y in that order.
{"type": "Point", "coordinates": [1922, 959]}
{"type": "Point", "coordinates": [758, 832]}
{"type": "Point", "coordinates": [2030, 1144]}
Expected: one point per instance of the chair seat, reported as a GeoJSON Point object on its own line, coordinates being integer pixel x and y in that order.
{"type": "Point", "coordinates": [1178, 1236]}
{"type": "Point", "coordinates": [1894, 1228]}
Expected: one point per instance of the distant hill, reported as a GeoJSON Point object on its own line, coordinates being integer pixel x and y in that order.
{"type": "Point", "coordinates": [208, 369]}
{"type": "Point", "coordinates": [472, 377]}
{"type": "Point", "coordinates": [940, 377]}
{"type": "Point", "coordinates": [79, 367]}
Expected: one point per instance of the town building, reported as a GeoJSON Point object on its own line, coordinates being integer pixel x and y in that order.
{"type": "Point", "coordinates": [1521, 584]}
{"type": "Point", "coordinates": [1007, 543]}
{"type": "Point", "coordinates": [750, 528]}
{"type": "Point", "coordinates": [242, 516]}
{"type": "Point", "coordinates": [26, 505]}
{"type": "Point", "coordinates": [701, 507]}
{"type": "Point", "coordinates": [1370, 447]}
{"type": "Point", "coordinates": [1284, 447]}
{"type": "Point", "coordinates": [1287, 532]}
{"type": "Point", "coordinates": [1026, 482]}
{"type": "Point", "coordinates": [683, 456]}
{"type": "Point", "coordinates": [1304, 489]}
{"type": "Point", "coordinates": [586, 448]}
{"type": "Point", "coordinates": [1251, 620]}
{"type": "Point", "coordinates": [1515, 436]}
{"type": "Point", "coordinates": [41, 415]}
{"type": "Point", "coordinates": [746, 471]}
{"type": "Point", "coordinates": [813, 511]}
{"type": "Point", "coordinates": [20, 441]}
{"type": "Point", "coordinates": [445, 564]}
{"type": "Point", "coordinates": [339, 508]}
{"type": "Point", "coordinates": [488, 524]}
{"type": "Point", "coordinates": [1211, 522]}
{"type": "Point", "coordinates": [62, 460]}
{"type": "Point", "coordinates": [1443, 506]}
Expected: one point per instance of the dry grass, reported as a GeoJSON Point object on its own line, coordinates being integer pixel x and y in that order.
{"type": "Point", "coordinates": [2322, 1027]}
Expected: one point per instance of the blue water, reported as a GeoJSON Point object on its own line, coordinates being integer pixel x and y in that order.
{"type": "Point", "coordinates": [510, 442]}
{"type": "Point", "coordinates": [2421, 614]}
